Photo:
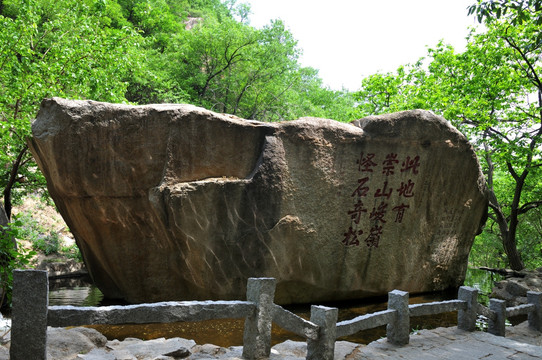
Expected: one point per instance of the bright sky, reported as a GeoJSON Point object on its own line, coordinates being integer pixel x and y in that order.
{"type": "Point", "coordinates": [347, 40]}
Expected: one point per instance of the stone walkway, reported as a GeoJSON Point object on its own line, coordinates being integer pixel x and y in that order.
{"type": "Point", "coordinates": [451, 343]}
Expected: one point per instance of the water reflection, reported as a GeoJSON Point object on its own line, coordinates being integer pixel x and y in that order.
{"type": "Point", "coordinates": [74, 291]}
{"type": "Point", "coordinates": [484, 281]}
{"type": "Point", "coordinates": [229, 332]}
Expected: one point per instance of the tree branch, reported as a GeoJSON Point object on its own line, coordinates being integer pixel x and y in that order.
{"type": "Point", "coordinates": [523, 55]}
{"type": "Point", "coordinates": [512, 171]}
{"type": "Point", "coordinates": [12, 180]}
{"type": "Point", "coordinates": [529, 206]}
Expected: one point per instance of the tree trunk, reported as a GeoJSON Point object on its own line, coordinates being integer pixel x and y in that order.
{"type": "Point", "coordinates": [4, 221]}
{"type": "Point", "coordinates": [508, 234]}
{"type": "Point", "coordinates": [514, 259]}
{"type": "Point", "coordinates": [12, 180]}
{"type": "Point", "coordinates": [509, 242]}
{"type": "Point", "coordinates": [3, 217]}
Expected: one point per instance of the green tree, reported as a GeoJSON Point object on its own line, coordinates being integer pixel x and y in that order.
{"type": "Point", "coordinates": [207, 54]}
{"type": "Point", "coordinates": [230, 67]}
{"type": "Point", "coordinates": [487, 92]}
{"type": "Point", "coordinates": [66, 48]}
{"type": "Point", "coordinates": [517, 12]}
{"type": "Point", "coordinates": [213, 58]}
{"type": "Point", "coordinates": [311, 98]}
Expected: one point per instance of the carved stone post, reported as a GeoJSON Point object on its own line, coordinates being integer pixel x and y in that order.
{"type": "Point", "coordinates": [29, 315]}
{"type": "Point", "coordinates": [497, 327]}
{"type": "Point", "coordinates": [466, 319]}
{"type": "Point", "coordinates": [257, 333]}
{"type": "Point", "coordinates": [535, 317]}
{"type": "Point", "coordinates": [324, 347]}
{"type": "Point", "coordinates": [398, 332]}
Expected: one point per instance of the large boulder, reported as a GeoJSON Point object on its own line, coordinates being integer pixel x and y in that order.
{"type": "Point", "coordinates": [177, 202]}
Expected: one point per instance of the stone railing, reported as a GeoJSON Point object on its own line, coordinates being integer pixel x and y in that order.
{"type": "Point", "coordinates": [31, 315]}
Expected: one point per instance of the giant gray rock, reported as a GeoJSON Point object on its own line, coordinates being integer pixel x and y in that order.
{"type": "Point", "coordinates": [175, 202]}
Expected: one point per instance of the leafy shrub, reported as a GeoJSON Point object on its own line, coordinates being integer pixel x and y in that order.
{"type": "Point", "coordinates": [11, 258]}
{"type": "Point", "coordinates": [72, 252]}
{"type": "Point", "coordinates": [42, 239]}
{"type": "Point", "coordinates": [48, 244]}
{"type": "Point", "coordinates": [29, 229]}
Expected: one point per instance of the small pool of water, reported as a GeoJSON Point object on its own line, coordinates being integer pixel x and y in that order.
{"type": "Point", "coordinates": [75, 291]}
{"type": "Point", "coordinates": [229, 332]}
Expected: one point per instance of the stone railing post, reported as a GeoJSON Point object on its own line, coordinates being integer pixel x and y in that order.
{"type": "Point", "coordinates": [29, 315]}
{"type": "Point", "coordinates": [324, 347]}
{"type": "Point", "coordinates": [466, 319]}
{"type": "Point", "coordinates": [535, 317]}
{"type": "Point", "coordinates": [497, 326]}
{"type": "Point", "coordinates": [257, 333]}
{"type": "Point", "coordinates": [398, 332]}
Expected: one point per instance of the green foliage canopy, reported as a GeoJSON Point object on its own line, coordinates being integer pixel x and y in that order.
{"type": "Point", "coordinates": [49, 48]}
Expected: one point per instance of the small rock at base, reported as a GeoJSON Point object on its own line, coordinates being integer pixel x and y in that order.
{"type": "Point", "coordinates": [179, 354]}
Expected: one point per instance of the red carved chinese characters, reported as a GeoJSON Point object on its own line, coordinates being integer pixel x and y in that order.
{"type": "Point", "coordinates": [361, 190]}
{"type": "Point", "coordinates": [377, 219]}
{"type": "Point", "coordinates": [374, 237]}
{"type": "Point", "coordinates": [400, 209]}
{"type": "Point", "coordinates": [406, 189]}
{"type": "Point", "coordinates": [384, 191]}
{"type": "Point", "coordinates": [356, 213]}
{"type": "Point", "coordinates": [389, 164]}
{"type": "Point", "coordinates": [378, 213]}
{"type": "Point", "coordinates": [366, 163]}
{"type": "Point", "coordinates": [351, 237]}
{"type": "Point", "coordinates": [389, 192]}
{"type": "Point", "coordinates": [409, 164]}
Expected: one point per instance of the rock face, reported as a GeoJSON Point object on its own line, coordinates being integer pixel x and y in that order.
{"type": "Point", "coordinates": [513, 289]}
{"type": "Point", "coordinates": [177, 202]}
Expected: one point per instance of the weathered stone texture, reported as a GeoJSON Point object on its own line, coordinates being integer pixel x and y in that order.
{"type": "Point", "coordinates": [161, 312]}
{"type": "Point", "coordinates": [29, 315]}
{"type": "Point", "coordinates": [324, 347]}
{"type": "Point", "coordinates": [174, 202]}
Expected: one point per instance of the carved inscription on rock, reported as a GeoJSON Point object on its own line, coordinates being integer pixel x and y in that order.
{"type": "Point", "coordinates": [376, 199]}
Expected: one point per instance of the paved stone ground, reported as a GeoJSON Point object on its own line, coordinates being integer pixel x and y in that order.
{"type": "Point", "coordinates": [452, 343]}
{"type": "Point", "coordinates": [442, 343]}
{"type": "Point", "coordinates": [523, 333]}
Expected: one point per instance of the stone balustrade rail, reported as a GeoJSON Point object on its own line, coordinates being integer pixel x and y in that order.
{"type": "Point", "coordinates": [31, 315]}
